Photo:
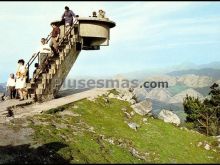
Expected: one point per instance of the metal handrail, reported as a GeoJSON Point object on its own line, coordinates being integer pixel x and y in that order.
{"type": "Point", "coordinates": [34, 56]}
{"type": "Point", "coordinates": [60, 42]}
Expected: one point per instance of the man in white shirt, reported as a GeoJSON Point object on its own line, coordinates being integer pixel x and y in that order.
{"type": "Point", "coordinates": [45, 50]}
{"type": "Point", "coordinates": [11, 86]}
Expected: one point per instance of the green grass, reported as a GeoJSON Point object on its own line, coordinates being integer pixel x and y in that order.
{"type": "Point", "coordinates": [163, 143]}
{"type": "Point", "coordinates": [114, 91]}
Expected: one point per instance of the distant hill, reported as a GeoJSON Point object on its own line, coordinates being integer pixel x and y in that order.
{"type": "Point", "coordinates": [159, 94]}
{"type": "Point", "coordinates": [177, 108]}
{"type": "Point", "coordinates": [214, 73]}
{"type": "Point", "coordinates": [204, 91]}
{"type": "Point", "coordinates": [178, 98]}
{"type": "Point", "coordinates": [213, 65]}
{"type": "Point", "coordinates": [186, 66]}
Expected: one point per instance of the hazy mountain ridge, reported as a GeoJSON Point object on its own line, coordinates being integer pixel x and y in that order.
{"type": "Point", "coordinates": [210, 72]}
{"type": "Point", "coordinates": [166, 70]}
{"type": "Point", "coordinates": [192, 82]}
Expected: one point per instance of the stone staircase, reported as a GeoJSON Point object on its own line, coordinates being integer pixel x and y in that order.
{"type": "Point", "coordinates": [45, 84]}
{"type": "Point", "coordinates": [86, 34]}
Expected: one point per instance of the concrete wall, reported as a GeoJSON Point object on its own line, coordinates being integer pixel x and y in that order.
{"type": "Point", "coordinates": [61, 74]}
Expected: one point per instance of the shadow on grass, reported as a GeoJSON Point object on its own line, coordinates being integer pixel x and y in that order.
{"type": "Point", "coordinates": [24, 154]}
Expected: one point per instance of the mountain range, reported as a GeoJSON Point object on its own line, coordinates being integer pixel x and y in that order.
{"type": "Point", "coordinates": [210, 72]}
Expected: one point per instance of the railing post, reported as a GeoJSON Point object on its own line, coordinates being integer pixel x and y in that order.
{"type": "Point", "coordinates": [38, 59]}
{"type": "Point", "coordinates": [28, 76]}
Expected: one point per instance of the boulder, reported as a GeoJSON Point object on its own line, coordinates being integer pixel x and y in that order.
{"type": "Point", "coordinates": [169, 117]}
{"type": "Point", "coordinates": [145, 120]}
{"type": "Point", "coordinates": [143, 107]}
{"type": "Point", "coordinates": [132, 101]}
{"type": "Point", "coordinates": [126, 94]}
{"type": "Point", "coordinates": [207, 147]}
{"type": "Point", "coordinates": [199, 144]}
{"type": "Point", "coordinates": [133, 126]}
{"type": "Point", "coordinates": [111, 95]}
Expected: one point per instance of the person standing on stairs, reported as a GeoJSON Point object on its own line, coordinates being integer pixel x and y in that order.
{"type": "Point", "coordinates": [21, 79]}
{"type": "Point", "coordinates": [45, 51]}
{"type": "Point", "coordinates": [69, 18]}
{"type": "Point", "coordinates": [55, 34]}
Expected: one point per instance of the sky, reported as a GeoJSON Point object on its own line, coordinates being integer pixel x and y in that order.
{"type": "Point", "coordinates": [147, 34]}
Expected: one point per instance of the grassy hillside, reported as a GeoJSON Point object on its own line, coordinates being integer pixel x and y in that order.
{"type": "Point", "coordinates": [97, 132]}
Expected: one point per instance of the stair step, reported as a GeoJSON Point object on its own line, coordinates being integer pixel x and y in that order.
{"type": "Point", "coordinates": [52, 71]}
{"type": "Point", "coordinates": [57, 66]}
{"type": "Point", "coordinates": [73, 40]}
{"type": "Point", "coordinates": [39, 91]}
{"type": "Point", "coordinates": [61, 57]}
{"type": "Point", "coordinates": [66, 50]}
{"type": "Point", "coordinates": [52, 60]}
{"type": "Point", "coordinates": [44, 81]}
{"type": "Point", "coordinates": [58, 62]}
{"type": "Point", "coordinates": [61, 46]}
{"type": "Point", "coordinates": [32, 95]}
{"type": "Point", "coordinates": [63, 53]}
{"type": "Point", "coordinates": [41, 86]}
{"type": "Point", "coordinates": [53, 66]}
{"type": "Point", "coordinates": [65, 40]}
{"type": "Point", "coordinates": [49, 76]}
{"type": "Point", "coordinates": [44, 76]}
{"type": "Point", "coordinates": [29, 85]}
{"type": "Point", "coordinates": [68, 46]}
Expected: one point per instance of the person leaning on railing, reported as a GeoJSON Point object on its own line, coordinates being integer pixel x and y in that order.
{"type": "Point", "coordinates": [45, 51]}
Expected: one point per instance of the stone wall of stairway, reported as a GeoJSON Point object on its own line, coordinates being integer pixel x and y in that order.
{"type": "Point", "coordinates": [63, 66]}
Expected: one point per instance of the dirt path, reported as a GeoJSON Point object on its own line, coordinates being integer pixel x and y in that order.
{"type": "Point", "coordinates": [36, 108]}
{"type": "Point", "coordinates": [10, 136]}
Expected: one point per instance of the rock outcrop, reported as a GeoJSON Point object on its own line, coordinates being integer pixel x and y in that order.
{"type": "Point", "coordinates": [124, 94]}
{"type": "Point", "coordinates": [169, 117]}
{"type": "Point", "coordinates": [143, 107]}
{"type": "Point", "coordinates": [195, 81]}
{"type": "Point", "coordinates": [171, 80]}
{"type": "Point", "coordinates": [159, 94]}
{"type": "Point", "coordinates": [140, 94]}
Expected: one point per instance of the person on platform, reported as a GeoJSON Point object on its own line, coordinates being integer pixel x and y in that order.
{"type": "Point", "coordinates": [69, 17]}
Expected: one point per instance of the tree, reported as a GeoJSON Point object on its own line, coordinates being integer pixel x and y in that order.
{"type": "Point", "coordinates": [205, 115]}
